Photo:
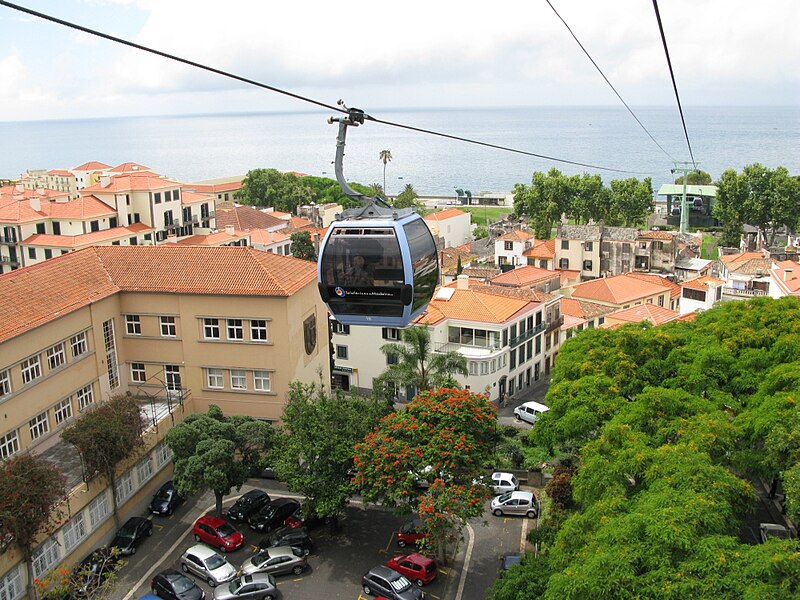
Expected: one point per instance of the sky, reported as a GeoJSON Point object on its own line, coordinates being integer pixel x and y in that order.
{"type": "Point", "coordinates": [409, 54]}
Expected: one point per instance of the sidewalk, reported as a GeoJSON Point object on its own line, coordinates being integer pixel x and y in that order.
{"type": "Point", "coordinates": [536, 392]}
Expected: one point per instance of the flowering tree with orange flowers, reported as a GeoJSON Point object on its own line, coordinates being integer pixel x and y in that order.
{"type": "Point", "coordinates": [427, 458]}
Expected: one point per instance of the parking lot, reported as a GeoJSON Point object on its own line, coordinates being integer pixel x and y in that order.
{"type": "Point", "coordinates": [367, 537]}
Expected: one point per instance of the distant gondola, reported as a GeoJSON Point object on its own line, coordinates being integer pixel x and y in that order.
{"type": "Point", "coordinates": [377, 265]}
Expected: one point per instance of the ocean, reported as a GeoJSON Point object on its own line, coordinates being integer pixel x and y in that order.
{"type": "Point", "coordinates": [199, 147]}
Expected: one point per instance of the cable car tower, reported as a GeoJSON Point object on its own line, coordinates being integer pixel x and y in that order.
{"type": "Point", "coordinates": [377, 265]}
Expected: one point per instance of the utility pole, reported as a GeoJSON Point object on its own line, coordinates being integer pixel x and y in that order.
{"type": "Point", "coordinates": [685, 170]}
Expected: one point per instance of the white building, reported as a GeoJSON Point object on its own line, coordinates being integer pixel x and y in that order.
{"type": "Point", "coordinates": [454, 226]}
{"type": "Point", "coordinates": [784, 279]}
{"type": "Point", "coordinates": [509, 249]}
{"type": "Point", "coordinates": [700, 293]}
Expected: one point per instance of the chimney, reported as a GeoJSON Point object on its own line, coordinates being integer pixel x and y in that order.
{"type": "Point", "coordinates": [787, 274]}
{"type": "Point", "coordinates": [229, 229]}
{"type": "Point", "coordinates": [462, 282]}
{"type": "Point", "coordinates": [36, 204]}
{"type": "Point", "coordinates": [40, 191]}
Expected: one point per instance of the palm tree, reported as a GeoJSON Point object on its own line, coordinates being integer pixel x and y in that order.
{"type": "Point", "coordinates": [386, 157]}
{"type": "Point", "coordinates": [418, 366]}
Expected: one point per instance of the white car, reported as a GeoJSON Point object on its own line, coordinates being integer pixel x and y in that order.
{"type": "Point", "coordinates": [206, 563]}
{"type": "Point", "coordinates": [504, 482]}
{"type": "Point", "coordinates": [530, 411]}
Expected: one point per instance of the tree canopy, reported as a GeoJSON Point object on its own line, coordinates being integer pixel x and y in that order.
{"type": "Point", "coordinates": [302, 246]}
{"type": "Point", "coordinates": [668, 427]}
{"type": "Point", "coordinates": [313, 448]}
{"type": "Point", "coordinates": [217, 453]}
{"type": "Point", "coordinates": [270, 187]}
{"type": "Point", "coordinates": [698, 177]}
{"type": "Point", "coordinates": [407, 198]}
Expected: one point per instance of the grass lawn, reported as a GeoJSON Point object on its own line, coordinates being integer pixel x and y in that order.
{"type": "Point", "coordinates": [708, 249]}
{"type": "Point", "coordinates": [481, 213]}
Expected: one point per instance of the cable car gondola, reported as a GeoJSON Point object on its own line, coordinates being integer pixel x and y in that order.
{"type": "Point", "coordinates": [377, 265]}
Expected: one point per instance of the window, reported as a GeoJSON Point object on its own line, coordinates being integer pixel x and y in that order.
{"type": "Point", "coordinates": [48, 253]}
{"type": "Point", "coordinates": [40, 228]}
{"type": "Point", "coordinates": [211, 329]}
{"type": "Point", "coordinates": [55, 356]}
{"type": "Point", "coordinates": [238, 379]}
{"type": "Point", "coordinates": [565, 244]}
{"type": "Point", "coordinates": [661, 300]}
{"type": "Point", "coordinates": [168, 326]}
{"type": "Point", "coordinates": [473, 367]}
{"type": "Point", "coordinates": [133, 325]}
{"type": "Point", "coordinates": [588, 246]}
{"type": "Point", "coordinates": [74, 531]}
{"type": "Point", "coordinates": [111, 354]}
{"type": "Point", "coordinates": [45, 557]}
{"type": "Point", "coordinates": [601, 320]}
{"type": "Point", "coordinates": [235, 329]}
{"type": "Point", "coordinates": [261, 381]}
{"type": "Point", "coordinates": [168, 219]}
{"type": "Point", "coordinates": [157, 197]}
{"type": "Point", "coordinates": [392, 359]}
{"type": "Point", "coordinates": [341, 352]}
{"type": "Point", "coordinates": [63, 410]}
{"type": "Point", "coordinates": [214, 378]}
{"type": "Point", "coordinates": [168, 196]}
{"type": "Point", "coordinates": [11, 585]}
{"type": "Point", "coordinates": [587, 265]}
{"type": "Point", "coordinates": [32, 253]}
{"type": "Point", "coordinates": [124, 487]}
{"type": "Point", "coordinates": [538, 344]}
{"type": "Point", "coordinates": [391, 333]}
{"type": "Point", "coordinates": [258, 330]}
{"type": "Point", "coordinates": [163, 454]}
{"type": "Point", "coordinates": [563, 263]}
{"type": "Point", "coordinates": [31, 369]}
{"type": "Point", "coordinates": [172, 377]}
{"type": "Point", "coordinates": [40, 425]}
{"type": "Point", "coordinates": [78, 343]}
{"type": "Point", "coordinates": [138, 373]}
{"type": "Point", "coordinates": [5, 382]}
{"type": "Point", "coordinates": [99, 509]}
{"type": "Point", "coordinates": [144, 470]}
{"type": "Point", "coordinates": [9, 444]}
{"type": "Point", "coordinates": [508, 245]}
{"type": "Point", "coordinates": [85, 397]}
{"type": "Point", "coordinates": [484, 367]}
{"type": "Point", "coordinates": [340, 328]}
{"type": "Point", "coordinates": [94, 225]}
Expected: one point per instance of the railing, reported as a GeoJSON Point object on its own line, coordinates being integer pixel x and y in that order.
{"type": "Point", "coordinates": [730, 291]}
{"type": "Point", "coordinates": [7, 261]}
{"type": "Point", "coordinates": [456, 347]}
{"type": "Point", "coordinates": [524, 337]}
{"type": "Point", "coordinates": [8, 240]}
{"type": "Point", "coordinates": [554, 324]}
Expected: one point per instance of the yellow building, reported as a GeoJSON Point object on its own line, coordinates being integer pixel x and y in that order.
{"type": "Point", "coordinates": [178, 327]}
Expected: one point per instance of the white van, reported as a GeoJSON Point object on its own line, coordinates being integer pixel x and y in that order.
{"type": "Point", "coordinates": [530, 411]}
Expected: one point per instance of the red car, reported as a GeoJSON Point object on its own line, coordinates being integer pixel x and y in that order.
{"type": "Point", "coordinates": [416, 567]}
{"type": "Point", "coordinates": [409, 534]}
{"type": "Point", "coordinates": [218, 533]}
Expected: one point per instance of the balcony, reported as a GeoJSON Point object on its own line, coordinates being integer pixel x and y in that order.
{"type": "Point", "coordinates": [524, 337]}
{"type": "Point", "coordinates": [5, 260]}
{"type": "Point", "coordinates": [8, 240]}
{"type": "Point", "coordinates": [747, 293]}
{"type": "Point", "coordinates": [554, 323]}
{"type": "Point", "coordinates": [469, 351]}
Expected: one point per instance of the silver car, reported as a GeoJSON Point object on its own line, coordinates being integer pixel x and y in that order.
{"type": "Point", "coordinates": [515, 503]}
{"type": "Point", "coordinates": [260, 586]}
{"type": "Point", "coordinates": [504, 482]}
{"type": "Point", "coordinates": [278, 560]}
{"type": "Point", "coordinates": [205, 563]}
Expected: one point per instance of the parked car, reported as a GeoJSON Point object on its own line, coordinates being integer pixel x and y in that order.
{"type": "Point", "coordinates": [273, 514]}
{"type": "Point", "coordinates": [89, 574]}
{"type": "Point", "coordinates": [504, 482]}
{"type": "Point", "coordinates": [296, 537]}
{"type": "Point", "coordinates": [218, 533]}
{"type": "Point", "coordinates": [247, 505]}
{"type": "Point", "coordinates": [409, 534]}
{"type": "Point", "coordinates": [768, 530]}
{"type": "Point", "coordinates": [509, 559]}
{"type": "Point", "coordinates": [383, 581]}
{"type": "Point", "coordinates": [260, 586]}
{"type": "Point", "coordinates": [416, 567]}
{"type": "Point", "coordinates": [515, 503]}
{"type": "Point", "coordinates": [530, 411]}
{"type": "Point", "coordinates": [279, 560]}
{"type": "Point", "coordinates": [173, 585]}
{"type": "Point", "coordinates": [300, 518]}
{"type": "Point", "coordinates": [131, 534]}
{"type": "Point", "coordinates": [204, 562]}
{"type": "Point", "coordinates": [165, 500]}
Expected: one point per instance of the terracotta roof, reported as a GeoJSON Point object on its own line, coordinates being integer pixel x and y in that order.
{"type": "Point", "coordinates": [84, 207]}
{"type": "Point", "coordinates": [701, 283]}
{"type": "Point", "coordinates": [60, 173]}
{"type": "Point", "coordinates": [740, 257]}
{"type": "Point", "coordinates": [472, 305]}
{"type": "Point", "coordinates": [131, 167]}
{"type": "Point", "coordinates": [481, 272]}
{"type": "Point", "coordinates": [218, 238]}
{"type": "Point", "coordinates": [92, 165]}
{"type": "Point", "coordinates": [127, 183]}
{"type": "Point", "coordinates": [85, 239]}
{"type": "Point", "coordinates": [516, 235]}
{"type": "Point", "coordinates": [583, 309]}
{"type": "Point", "coordinates": [542, 249]}
{"type": "Point", "coordinates": [190, 197]}
{"type": "Point", "coordinates": [523, 276]}
{"type": "Point", "coordinates": [752, 266]}
{"type": "Point", "coordinates": [568, 275]}
{"type": "Point", "coordinates": [215, 188]}
{"type": "Point", "coordinates": [88, 275]}
{"type": "Point", "coordinates": [299, 224]}
{"type": "Point", "coordinates": [528, 294]}
{"type": "Point", "coordinates": [787, 269]}
{"type": "Point", "coordinates": [262, 236]}
{"type": "Point", "coordinates": [618, 289]}
{"type": "Point", "coordinates": [244, 218]}
{"type": "Point", "coordinates": [657, 315]}
{"type": "Point", "coordinates": [674, 288]}
{"type": "Point", "coordinates": [656, 235]}
{"type": "Point", "coordinates": [444, 214]}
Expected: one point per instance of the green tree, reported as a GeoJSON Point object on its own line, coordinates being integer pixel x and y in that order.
{"type": "Point", "coordinates": [270, 187]}
{"type": "Point", "coordinates": [215, 452]}
{"type": "Point", "coordinates": [302, 246]}
{"type": "Point", "coordinates": [698, 177]}
{"type": "Point", "coordinates": [442, 436]}
{"type": "Point", "coordinates": [107, 435]}
{"type": "Point", "coordinates": [407, 198]}
{"type": "Point", "coordinates": [480, 232]}
{"type": "Point", "coordinates": [729, 207]}
{"type": "Point", "coordinates": [313, 448]}
{"type": "Point", "coordinates": [590, 199]}
{"type": "Point", "coordinates": [631, 201]}
{"type": "Point", "coordinates": [96, 581]}
{"type": "Point", "coordinates": [30, 489]}
{"type": "Point", "coordinates": [544, 202]}
{"type": "Point", "coordinates": [376, 190]}
{"type": "Point", "coordinates": [417, 365]}
{"type": "Point", "coordinates": [385, 157]}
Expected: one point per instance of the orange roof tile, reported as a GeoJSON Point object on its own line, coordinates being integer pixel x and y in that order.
{"type": "Point", "coordinates": [525, 275]}
{"type": "Point", "coordinates": [674, 288]}
{"type": "Point", "coordinates": [657, 315]}
{"type": "Point", "coordinates": [444, 214]}
{"type": "Point", "coordinates": [471, 305]}
{"type": "Point", "coordinates": [85, 239]}
{"type": "Point", "coordinates": [86, 276]}
{"type": "Point", "coordinates": [618, 289]}
{"type": "Point", "coordinates": [245, 218]}
{"type": "Point", "coordinates": [131, 167]}
{"type": "Point", "coordinates": [740, 257]}
{"type": "Point", "coordinates": [92, 166]}
{"type": "Point", "coordinates": [262, 236]}
{"type": "Point", "coordinates": [60, 173]}
{"type": "Point", "coordinates": [218, 238]}
{"type": "Point", "coordinates": [701, 283]}
{"type": "Point", "coordinates": [583, 309]}
{"type": "Point", "coordinates": [214, 188]}
{"type": "Point", "coordinates": [83, 207]}
{"type": "Point", "coordinates": [542, 249]}
{"type": "Point", "coordinates": [516, 235]}
{"type": "Point", "coordinates": [787, 275]}
{"type": "Point", "coordinates": [656, 235]}
{"type": "Point", "coordinates": [127, 183]}
{"type": "Point", "coordinates": [190, 197]}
